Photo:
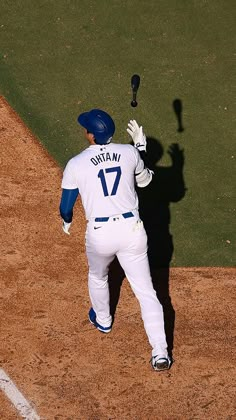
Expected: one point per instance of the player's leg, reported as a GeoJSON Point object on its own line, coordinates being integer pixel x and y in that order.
{"type": "Point", "coordinates": [134, 261]}
{"type": "Point", "coordinates": [99, 258]}
{"type": "Point", "coordinates": [98, 287]}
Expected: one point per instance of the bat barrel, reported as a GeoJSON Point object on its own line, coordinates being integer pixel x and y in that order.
{"type": "Point", "coordinates": [135, 82]}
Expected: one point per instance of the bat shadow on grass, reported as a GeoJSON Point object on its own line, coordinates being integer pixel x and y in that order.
{"type": "Point", "coordinates": [167, 187]}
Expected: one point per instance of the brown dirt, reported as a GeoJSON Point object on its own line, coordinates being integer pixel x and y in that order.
{"type": "Point", "coordinates": [60, 363]}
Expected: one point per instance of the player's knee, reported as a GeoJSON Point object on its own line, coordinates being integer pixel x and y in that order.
{"type": "Point", "coordinates": [98, 281]}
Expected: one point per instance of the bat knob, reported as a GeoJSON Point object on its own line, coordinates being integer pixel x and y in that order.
{"type": "Point", "coordinates": [134, 104]}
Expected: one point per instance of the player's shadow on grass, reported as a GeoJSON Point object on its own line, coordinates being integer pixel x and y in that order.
{"type": "Point", "coordinates": [167, 187]}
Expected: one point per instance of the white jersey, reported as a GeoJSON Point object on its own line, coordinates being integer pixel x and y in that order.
{"type": "Point", "coordinates": [105, 177]}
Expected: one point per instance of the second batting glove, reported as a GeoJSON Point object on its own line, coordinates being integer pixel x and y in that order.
{"type": "Point", "coordinates": [66, 227]}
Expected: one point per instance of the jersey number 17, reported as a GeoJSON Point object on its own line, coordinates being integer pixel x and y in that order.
{"type": "Point", "coordinates": [102, 174]}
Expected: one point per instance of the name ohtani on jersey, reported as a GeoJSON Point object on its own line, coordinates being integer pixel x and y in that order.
{"type": "Point", "coordinates": [104, 157]}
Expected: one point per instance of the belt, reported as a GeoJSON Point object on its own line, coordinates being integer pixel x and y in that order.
{"type": "Point", "coordinates": [105, 219]}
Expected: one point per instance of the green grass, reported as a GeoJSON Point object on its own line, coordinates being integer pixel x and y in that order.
{"type": "Point", "coordinates": [58, 59]}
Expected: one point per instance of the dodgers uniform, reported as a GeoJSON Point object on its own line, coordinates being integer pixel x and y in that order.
{"type": "Point", "coordinates": [105, 177]}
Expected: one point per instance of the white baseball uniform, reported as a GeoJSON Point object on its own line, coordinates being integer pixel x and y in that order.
{"type": "Point", "coordinates": [105, 176]}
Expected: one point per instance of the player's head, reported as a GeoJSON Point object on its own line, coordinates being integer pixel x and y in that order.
{"type": "Point", "coordinates": [99, 123]}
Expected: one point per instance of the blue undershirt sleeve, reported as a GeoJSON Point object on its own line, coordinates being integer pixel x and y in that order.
{"type": "Point", "coordinates": [68, 199]}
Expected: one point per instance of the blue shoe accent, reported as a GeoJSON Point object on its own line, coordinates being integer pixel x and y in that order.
{"type": "Point", "coordinates": [92, 319]}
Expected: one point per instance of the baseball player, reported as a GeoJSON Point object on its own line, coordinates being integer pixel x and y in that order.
{"type": "Point", "coordinates": [105, 175]}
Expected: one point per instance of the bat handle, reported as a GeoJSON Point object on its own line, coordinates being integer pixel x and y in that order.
{"type": "Point", "coordinates": [134, 103]}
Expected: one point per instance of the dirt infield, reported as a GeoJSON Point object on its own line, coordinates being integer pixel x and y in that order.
{"type": "Point", "coordinates": [61, 364]}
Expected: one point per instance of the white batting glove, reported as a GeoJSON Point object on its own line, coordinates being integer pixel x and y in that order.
{"type": "Point", "coordinates": [138, 136]}
{"type": "Point", "coordinates": [66, 227]}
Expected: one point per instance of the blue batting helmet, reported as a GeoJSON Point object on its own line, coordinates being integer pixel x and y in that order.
{"type": "Point", "coordinates": [99, 123]}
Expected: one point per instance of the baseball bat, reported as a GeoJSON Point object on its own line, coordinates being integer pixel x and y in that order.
{"type": "Point", "coordinates": [135, 82]}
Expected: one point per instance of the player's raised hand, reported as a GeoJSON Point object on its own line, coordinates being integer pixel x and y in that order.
{"type": "Point", "coordinates": [138, 136]}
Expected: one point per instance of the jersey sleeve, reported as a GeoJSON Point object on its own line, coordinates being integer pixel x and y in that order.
{"type": "Point", "coordinates": [143, 175]}
{"type": "Point", "coordinates": [139, 163]}
{"type": "Point", "coordinates": [69, 181]}
{"type": "Point", "coordinates": [67, 203]}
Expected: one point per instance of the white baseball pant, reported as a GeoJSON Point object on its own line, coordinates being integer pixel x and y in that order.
{"type": "Point", "coordinates": [126, 238]}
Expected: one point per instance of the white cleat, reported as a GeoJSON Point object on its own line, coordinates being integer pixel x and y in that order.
{"type": "Point", "coordinates": [160, 363]}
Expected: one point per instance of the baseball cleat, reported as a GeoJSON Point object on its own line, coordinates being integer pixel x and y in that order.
{"type": "Point", "coordinates": [92, 319]}
{"type": "Point", "coordinates": [160, 363]}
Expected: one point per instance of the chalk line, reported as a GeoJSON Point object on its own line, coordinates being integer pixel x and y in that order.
{"type": "Point", "coordinates": [17, 399]}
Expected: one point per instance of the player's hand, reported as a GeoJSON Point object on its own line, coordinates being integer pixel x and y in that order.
{"type": "Point", "coordinates": [138, 136]}
{"type": "Point", "coordinates": [66, 227]}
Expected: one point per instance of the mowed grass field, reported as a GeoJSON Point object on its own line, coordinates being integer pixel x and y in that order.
{"type": "Point", "coordinates": [58, 59]}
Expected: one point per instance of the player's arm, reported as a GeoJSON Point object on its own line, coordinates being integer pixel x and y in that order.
{"type": "Point", "coordinates": [68, 199]}
{"type": "Point", "coordinates": [69, 195]}
{"type": "Point", "coordinates": [143, 175]}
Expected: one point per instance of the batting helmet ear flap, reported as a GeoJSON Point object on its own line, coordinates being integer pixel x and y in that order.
{"type": "Point", "coordinates": [99, 123]}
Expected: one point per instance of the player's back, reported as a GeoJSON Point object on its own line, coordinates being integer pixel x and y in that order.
{"type": "Point", "coordinates": [105, 178]}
